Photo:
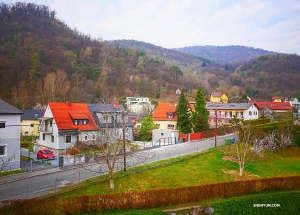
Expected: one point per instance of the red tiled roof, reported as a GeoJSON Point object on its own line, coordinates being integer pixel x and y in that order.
{"type": "Point", "coordinates": [160, 112]}
{"type": "Point", "coordinates": [64, 113]}
{"type": "Point", "coordinates": [274, 105]}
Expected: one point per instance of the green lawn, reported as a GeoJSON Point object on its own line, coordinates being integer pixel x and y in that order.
{"type": "Point", "coordinates": [205, 168]}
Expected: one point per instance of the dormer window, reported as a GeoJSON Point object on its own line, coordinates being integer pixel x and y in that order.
{"type": "Point", "coordinates": [80, 121]}
{"type": "Point", "coordinates": [170, 116]}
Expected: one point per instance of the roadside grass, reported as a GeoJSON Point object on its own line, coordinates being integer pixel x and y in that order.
{"type": "Point", "coordinates": [6, 173]}
{"type": "Point", "coordinates": [26, 158]}
{"type": "Point", "coordinates": [202, 168]}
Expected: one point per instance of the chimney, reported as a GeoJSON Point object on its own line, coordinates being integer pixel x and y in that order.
{"type": "Point", "coordinates": [68, 103]}
{"type": "Point", "coordinates": [116, 105]}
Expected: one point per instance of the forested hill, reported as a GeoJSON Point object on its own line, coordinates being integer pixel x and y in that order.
{"type": "Point", "coordinates": [225, 54]}
{"type": "Point", "coordinates": [270, 75]}
{"type": "Point", "coordinates": [180, 59]}
{"type": "Point", "coordinates": [42, 59]}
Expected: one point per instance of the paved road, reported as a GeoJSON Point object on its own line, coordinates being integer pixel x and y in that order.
{"type": "Point", "coordinates": [37, 183]}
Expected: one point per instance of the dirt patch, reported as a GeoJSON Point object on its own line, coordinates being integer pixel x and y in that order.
{"type": "Point", "coordinates": [230, 158]}
{"type": "Point", "coordinates": [235, 175]}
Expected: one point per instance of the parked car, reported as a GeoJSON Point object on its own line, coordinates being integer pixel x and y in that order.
{"type": "Point", "coordinates": [45, 154]}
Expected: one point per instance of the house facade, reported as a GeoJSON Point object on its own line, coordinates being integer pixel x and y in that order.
{"type": "Point", "coordinates": [222, 113]}
{"type": "Point", "coordinates": [10, 118]}
{"type": "Point", "coordinates": [63, 125]}
{"type": "Point", "coordinates": [164, 115]}
{"type": "Point", "coordinates": [218, 97]}
{"type": "Point", "coordinates": [30, 122]}
{"type": "Point", "coordinates": [112, 119]}
{"type": "Point", "coordinates": [139, 105]}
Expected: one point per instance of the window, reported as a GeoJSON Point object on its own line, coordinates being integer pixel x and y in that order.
{"type": "Point", "coordinates": [162, 134]}
{"type": "Point", "coordinates": [85, 137]}
{"type": "Point", "coordinates": [31, 125]}
{"type": "Point", "coordinates": [2, 150]}
{"type": "Point", "coordinates": [26, 132]}
{"type": "Point", "coordinates": [2, 124]}
{"type": "Point", "coordinates": [170, 126]}
{"type": "Point", "coordinates": [75, 121]}
{"type": "Point", "coordinates": [250, 113]}
{"type": "Point", "coordinates": [50, 123]}
{"type": "Point", "coordinates": [170, 116]}
{"type": "Point", "coordinates": [44, 136]}
{"type": "Point", "coordinates": [52, 138]}
{"type": "Point", "coordinates": [68, 139]}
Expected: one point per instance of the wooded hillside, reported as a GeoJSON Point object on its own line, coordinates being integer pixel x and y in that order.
{"type": "Point", "coordinates": [42, 59]}
{"type": "Point", "coordinates": [225, 54]}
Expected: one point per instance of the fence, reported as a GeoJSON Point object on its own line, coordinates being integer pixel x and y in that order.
{"type": "Point", "coordinates": [149, 199]}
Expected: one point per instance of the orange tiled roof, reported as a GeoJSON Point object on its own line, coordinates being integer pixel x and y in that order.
{"type": "Point", "coordinates": [64, 113]}
{"type": "Point", "coordinates": [160, 112]}
{"type": "Point", "coordinates": [274, 105]}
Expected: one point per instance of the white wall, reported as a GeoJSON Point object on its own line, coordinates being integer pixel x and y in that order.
{"type": "Point", "coordinates": [10, 138]}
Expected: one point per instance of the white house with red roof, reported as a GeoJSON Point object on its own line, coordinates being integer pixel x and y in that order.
{"type": "Point", "coordinates": [63, 124]}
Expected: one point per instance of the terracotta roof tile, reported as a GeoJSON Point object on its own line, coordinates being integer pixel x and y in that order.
{"type": "Point", "coordinates": [160, 112]}
{"type": "Point", "coordinates": [274, 105]}
{"type": "Point", "coordinates": [64, 113]}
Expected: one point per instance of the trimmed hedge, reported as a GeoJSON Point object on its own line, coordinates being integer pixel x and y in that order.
{"type": "Point", "coordinates": [147, 199]}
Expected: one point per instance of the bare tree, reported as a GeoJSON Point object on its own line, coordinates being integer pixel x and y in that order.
{"type": "Point", "coordinates": [6, 160]}
{"type": "Point", "coordinates": [110, 146]}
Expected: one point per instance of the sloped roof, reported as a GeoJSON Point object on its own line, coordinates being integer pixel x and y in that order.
{"type": "Point", "coordinates": [32, 114]}
{"type": "Point", "coordinates": [160, 112]}
{"type": "Point", "coordinates": [217, 94]}
{"type": "Point", "coordinates": [107, 108]}
{"type": "Point", "coordinates": [274, 105]}
{"type": "Point", "coordinates": [64, 120]}
{"type": "Point", "coordinates": [229, 106]}
{"type": "Point", "coordinates": [6, 108]}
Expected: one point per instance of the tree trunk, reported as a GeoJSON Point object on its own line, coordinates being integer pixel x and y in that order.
{"type": "Point", "coordinates": [111, 181]}
{"type": "Point", "coordinates": [241, 171]}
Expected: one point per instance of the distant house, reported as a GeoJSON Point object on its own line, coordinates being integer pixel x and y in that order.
{"type": "Point", "coordinates": [275, 107]}
{"type": "Point", "coordinates": [296, 104]}
{"type": "Point", "coordinates": [222, 113]}
{"type": "Point", "coordinates": [280, 99]}
{"type": "Point", "coordinates": [139, 105]}
{"type": "Point", "coordinates": [64, 124]}
{"type": "Point", "coordinates": [30, 122]}
{"type": "Point", "coordinates": [218, 97]}
{"type": "Point", "coordinates": [10, 118]}
{"type": "Point", "coordinates": [164, 115]}
{"type": "Point", "coordinates": [112, 118]}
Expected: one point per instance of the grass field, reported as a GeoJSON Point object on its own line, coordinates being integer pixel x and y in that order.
{"type": "Point", "coordinates": [205, 168]}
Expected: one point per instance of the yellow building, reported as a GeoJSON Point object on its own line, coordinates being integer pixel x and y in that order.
{"type": "Point", "coordinates": [30, 122]}
{"type": "Point", "coordinates": [218, 97]}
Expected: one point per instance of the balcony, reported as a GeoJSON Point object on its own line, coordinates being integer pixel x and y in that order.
{"type": "Point", "coordinates": [46, 129]}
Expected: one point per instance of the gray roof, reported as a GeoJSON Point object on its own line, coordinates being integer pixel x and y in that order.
{"type": "Point", "coordinates": [107, 108]}
{"type": "Point", "coordinates": [229, 106]}
{"type": "Point", "coordinates": [32, 114]}
{"type": "Point", "coordinates": [6, 108]}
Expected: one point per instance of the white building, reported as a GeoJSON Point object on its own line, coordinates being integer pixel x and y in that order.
{"type": "Point", "coordinates": [10, 118]}
{"type": "Point", "coordinates": [222, 113]}
{"type": "Point", "coordinates": [139, 105]}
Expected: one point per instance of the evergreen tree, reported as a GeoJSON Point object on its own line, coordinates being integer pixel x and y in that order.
{"type": "Point", "coordinates": [200, 114]}
{"type": "Point", "coordinates": [184, 124]}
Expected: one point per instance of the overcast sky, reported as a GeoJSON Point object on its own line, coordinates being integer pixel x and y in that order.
{"type": "Point", "coordinates": [272, 25]}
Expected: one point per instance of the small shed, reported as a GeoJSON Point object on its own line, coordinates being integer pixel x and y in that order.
{"type": "Point", "coordinates": [161, 137]}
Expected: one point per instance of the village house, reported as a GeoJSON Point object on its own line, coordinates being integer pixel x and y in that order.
{"type": "Point", "coordinates": [218, 97]}
{"type": "Point", "coordinates": [275, 107]}
{"type": "Point", "coordinates": [63, 125]}
{"type": "Point", "coordinates": [112, 119]}
{"type": "Point", "coordinates": [139, 105]}
{"type": "Point", "coordinates": [30, 122]}
{"type": "Point", "coordinates": [221, 113]}
{"type": "Point", "coordinates": [10, 118]}
{"type": "Point", "coordinates": [164, 115]}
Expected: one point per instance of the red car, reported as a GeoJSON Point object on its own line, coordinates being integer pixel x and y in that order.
{"type": "Point", "coordinates": [45, 154]}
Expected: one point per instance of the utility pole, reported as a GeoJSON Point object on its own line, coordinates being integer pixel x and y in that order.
{"type": "Point", "coordinates": [216, 127]}
{"type": "Point", "coordinates": [124, 149]}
